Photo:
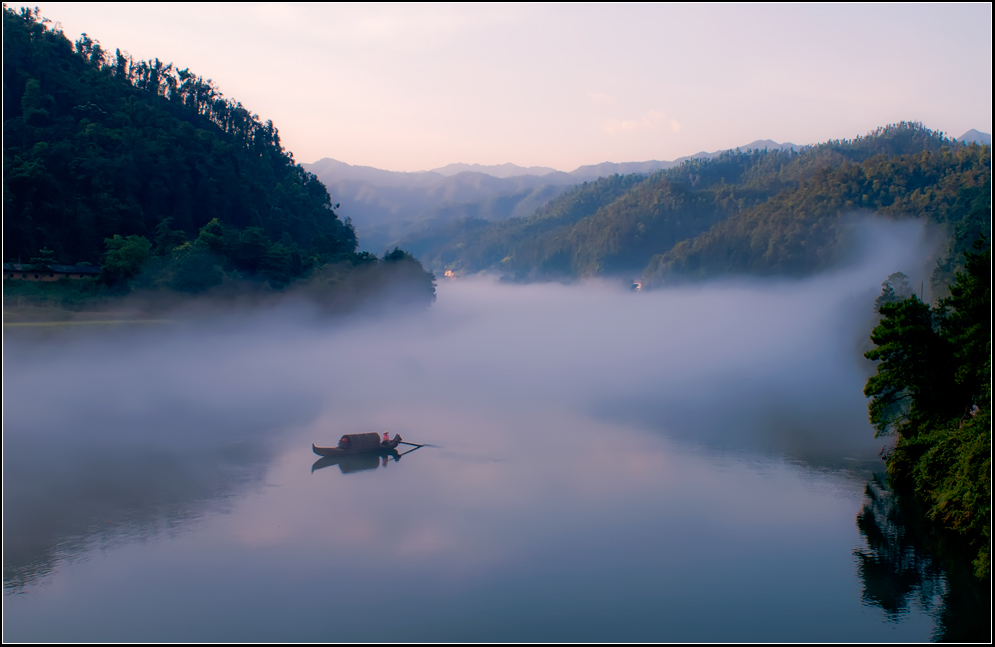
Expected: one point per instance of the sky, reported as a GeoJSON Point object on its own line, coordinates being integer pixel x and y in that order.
{"type": "Point", "coordinates": [415, 87]}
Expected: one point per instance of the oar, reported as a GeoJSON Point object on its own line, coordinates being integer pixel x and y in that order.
{"type": "Point", "coordinates": [403, 442]}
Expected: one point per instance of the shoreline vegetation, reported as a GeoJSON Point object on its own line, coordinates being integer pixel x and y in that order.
{"type": "Point", "coordinates": [932, 394]}
{"type": "Point", "coordinates": [178, 194]}
{"type": "Point", "coordinates": [396, 280]}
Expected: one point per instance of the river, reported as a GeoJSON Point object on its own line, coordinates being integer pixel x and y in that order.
{"type": "Point", "coordinates": [686, 464]}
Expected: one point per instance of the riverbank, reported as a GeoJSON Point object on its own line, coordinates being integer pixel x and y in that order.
{"type": "Point", "coordinates": [331, 290]}
{"type": "Point", "coordinates": [932, 390]}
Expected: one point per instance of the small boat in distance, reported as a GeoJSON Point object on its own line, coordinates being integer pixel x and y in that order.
{"type": "Point", "coordinates": [359, 444]}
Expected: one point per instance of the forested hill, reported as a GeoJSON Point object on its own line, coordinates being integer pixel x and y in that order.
{"type": "Point", "coordinates": [98, 145]}
{"type": "Point", "coordinates": [902, 171]}
{"type": "Point", "coordinates": [759, 212]}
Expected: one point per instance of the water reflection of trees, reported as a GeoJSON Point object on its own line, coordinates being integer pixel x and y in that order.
{"type": "Point", "coordinates": [903, 562]}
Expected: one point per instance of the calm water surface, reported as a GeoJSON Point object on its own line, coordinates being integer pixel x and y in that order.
{"type": "Point", "coordinates": [684, 465]}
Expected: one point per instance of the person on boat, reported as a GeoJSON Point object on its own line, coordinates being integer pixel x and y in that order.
{"type": "Point", "coordinates": [386, 439]}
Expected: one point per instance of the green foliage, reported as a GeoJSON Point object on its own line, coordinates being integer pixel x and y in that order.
{"type": "Point", "coordinates": [167, 239]}
{"type": "Point", "coordinates": [212, 236]}
{"type": "Point", "coordinates": [103, 154]}
{"type": "Point", "coordinates": [914, 375]}
{"type": "Point", "coordinates": [967, 319]}
{"type": "Point", "coordinates": [247, 248]}
{"type": "Point", "coordinates": [194, 268]}
{"type": "Point", "coordinates": [516, 245]}
{"type": "Point", "coordinates": [45, 257]}
{"type": "Point", "coordinates": [803, 227]}
{"type": "Point", "coordinates": [277, 264]}
{"type": "Point", "coordinates": [933, 388]}
{"type": "Point", "coordinates": [758, 212]}
{"type": "Point", "coordinates": [398, 256]}
{"type": "Point", "coordinates": [97, 145]}
{"type": "Point", "coordinates": [954, 477]}
{"type": "Point", "coordinates": [895, 288]}
{"type": "Point", "coordinates": [124, 257]}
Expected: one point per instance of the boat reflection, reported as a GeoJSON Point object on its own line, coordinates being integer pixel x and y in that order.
{"type": "Point", "coordinates": [352, 463]}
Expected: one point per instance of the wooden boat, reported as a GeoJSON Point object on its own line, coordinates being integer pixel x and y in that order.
{"type": "Point", "coordinates": [349, 444]}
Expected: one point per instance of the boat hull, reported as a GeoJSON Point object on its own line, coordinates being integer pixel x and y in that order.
{"type": "Point", "coordinates": [335, 451]}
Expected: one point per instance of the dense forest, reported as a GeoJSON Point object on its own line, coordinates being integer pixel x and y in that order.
{"type": "Point", "coordinates": [152, 173]}
{"type": "Point", "coordinates": [932, 392]}
{"type": "Point", "coordinates": [900, 171]}
{"type": "Point", "coordinates": [758, 212]}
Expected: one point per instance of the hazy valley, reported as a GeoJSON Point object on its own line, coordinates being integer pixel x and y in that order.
{"type": "Point", "coordinates": [738, 396]}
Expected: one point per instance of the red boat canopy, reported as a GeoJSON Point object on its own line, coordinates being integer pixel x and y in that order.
{"type": "Point", "coordinates": [360, 442]}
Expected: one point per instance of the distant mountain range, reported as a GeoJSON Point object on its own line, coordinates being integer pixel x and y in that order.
{"type": "Point", "coordinates": [374, 198]}
{"type": "Point", "coordinates": [757, 213]}
{"type": "Point", "coordinates": [595, 171]}
{"type": "Point", "coordinates": [387, 206]}
{"type": "Point", "coordinates": [384, 206]}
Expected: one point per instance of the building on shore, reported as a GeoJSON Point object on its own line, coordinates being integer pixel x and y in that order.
{"type": "Point", "coordinates": [25, 272]}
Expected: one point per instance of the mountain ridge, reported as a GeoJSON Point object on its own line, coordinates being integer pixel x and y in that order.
{"type": "Point", "coordinates": [388, 206]}
{"type": "Point", "coordinates": [760, 212]}
{"type": "Point", "coordinates": [385, 206]}
{"type": "Point", "coordinates": [495, 170]}
{"type": "Point", "coordinates": [510, 170]}
{"type": "Point", "coordinates": [975, 136]}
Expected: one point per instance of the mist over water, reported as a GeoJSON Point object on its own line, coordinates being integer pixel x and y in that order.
{"type": "Point", "coordinates": [603, 465]}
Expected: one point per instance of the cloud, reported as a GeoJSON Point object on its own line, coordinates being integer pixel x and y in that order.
{"type": "Point", "coordinates": [652, 120]}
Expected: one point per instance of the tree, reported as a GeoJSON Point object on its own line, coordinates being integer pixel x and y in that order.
{"type": "Point", "coordinates": [967, 320]}
{"type": "Point", "coordinates": [914, 376]}
{"type": "Point", "coordinates": [194, 268]}
{"type": "Point", "coordinates": [933, 362]}
{"type": "Point", "coordinates": [895, 288]}
{"type": "Point", "coordinates": [141, 148]}
{"type": "Point", "coordinates": [212, 236]}
{"type": "Point", "coordinates": [124, 257]}
{"type": "Point", "coordinates": [276, 264]}
{"type": "Point", "coordinates": [45, 257]}
{"type": "Point", "coordinates": [933, 388]}
{"type": "Point", "coordinates": [248, 249]}
{"type": "Point", "coordinates": [397, 256]}
{"type": "Point", "coordinates": [167, 239]}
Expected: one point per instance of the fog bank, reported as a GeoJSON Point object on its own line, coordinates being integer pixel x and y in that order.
{"type": "Point", "coordinates": [725, 350]}
{"type": "Point", "coordinates": [587, 393]}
